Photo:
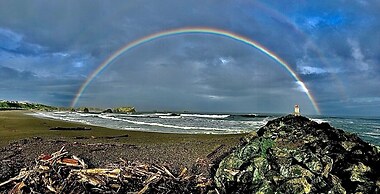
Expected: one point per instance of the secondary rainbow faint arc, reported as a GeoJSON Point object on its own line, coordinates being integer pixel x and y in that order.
{"type": "Point", "coordinates": [192, 30]}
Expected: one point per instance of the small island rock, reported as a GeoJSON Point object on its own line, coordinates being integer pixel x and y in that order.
{"type": "Point", "coordinates": [124, 110]}
{"type": "Point", "coordinates": [108, 111]}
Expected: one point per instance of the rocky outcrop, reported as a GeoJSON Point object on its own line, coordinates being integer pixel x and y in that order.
{"type": "Point", "coordinates": [19, 105]}
{"type": "Point", "coordinates": [293, 154]}
{"type": "Point", "coordinates": [108, 111]}
{"type": "Point", "coordinates": [124, 110]}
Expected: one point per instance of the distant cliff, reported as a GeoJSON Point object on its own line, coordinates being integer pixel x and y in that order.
{"type": "Point", "coordinates": [17, 105]}
{"type": "Point", "coordinates": [293, 154]}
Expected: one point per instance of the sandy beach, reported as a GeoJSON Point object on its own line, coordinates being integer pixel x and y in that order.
{"type": "Point", "coordinates": [129, 160]}
{"type": "Point", "coordinates": [24, 138]}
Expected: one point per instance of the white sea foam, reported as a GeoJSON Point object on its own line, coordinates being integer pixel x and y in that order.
{"type": "Point", "coordinates": [163, 114]}
{"type": "Point", "coordinates": [372, 135]}
{"type": "Point", "coordinates": [195, 123]}
{"type": "Point", "coordinates": [319, 121]}
{"type": "Point", "coordinates": [250, 115]}
{"type": "Point", "coordinates": [61, 112]}
{"type": "Point", "coordinates": [83, 114]}
{"type": "Point", "coordinates": [172, 126]}
{"type": "Point", "coordinates": [110, 117]}
{"type": "Point", "coordinates": [140, 115]}
{"type": "Point", "coordinates": [113, 120]}
{"type": "Point", "coordinates": [256, 123]}
{"type": "Point", "coordinates": [59, 117]}
{"type": "Point", "coordinates": [205, 116]}
{"type": "Point", "coordinates": [170, 117]}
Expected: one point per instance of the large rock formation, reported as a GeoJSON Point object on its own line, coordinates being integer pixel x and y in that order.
{"type": "Point", "coordinates": [293, 154]}
{"type": "Point", "coordinates": [124, 110]}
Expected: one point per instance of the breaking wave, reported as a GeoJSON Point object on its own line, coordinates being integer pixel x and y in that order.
{"type": "Point", "coordinates": [194, 123]}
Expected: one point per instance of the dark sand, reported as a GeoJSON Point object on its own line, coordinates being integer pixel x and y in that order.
{"type": "Point", "coordinates": [24, 138]}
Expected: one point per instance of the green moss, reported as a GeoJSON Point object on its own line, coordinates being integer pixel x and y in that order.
{"type": "Point", "coordinates": [297, 171]}
{"type": "Point", "coordinates": [265, 145]}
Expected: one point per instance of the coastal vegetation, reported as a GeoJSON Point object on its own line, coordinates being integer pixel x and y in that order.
{"type": "Point", "coordinates": [20, 105]}
{"type": "Point", "coordinates": [16, 105]}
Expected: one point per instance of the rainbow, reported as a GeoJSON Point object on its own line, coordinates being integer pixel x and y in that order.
{"type": "Point", "coordinates": [193, 30]}
{"type": "Point", "coordinates": [339, 86]}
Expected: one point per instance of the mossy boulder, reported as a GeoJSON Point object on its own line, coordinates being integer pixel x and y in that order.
{"type": "Point", "coordinates": [293, 154]}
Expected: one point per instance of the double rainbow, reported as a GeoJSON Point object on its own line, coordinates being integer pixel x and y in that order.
{"type": "Point", "coordinates": [193, 30]}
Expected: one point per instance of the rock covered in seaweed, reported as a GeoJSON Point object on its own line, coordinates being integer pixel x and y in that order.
{"type": "Point", "coordinates": [293, 154]}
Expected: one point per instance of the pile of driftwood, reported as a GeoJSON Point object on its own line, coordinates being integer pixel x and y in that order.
{"type": "Point", "coordinates": [63, 173]}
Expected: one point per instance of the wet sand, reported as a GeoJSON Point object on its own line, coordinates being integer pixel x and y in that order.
{"type": "Point", "coordinates": [24, 138]}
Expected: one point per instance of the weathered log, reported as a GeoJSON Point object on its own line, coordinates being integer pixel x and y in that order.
{"type": "Point", "coordinates": [113, 137]}
{"type": "Point", "coordinates": [216, 150]}
{"type": "Point", "coordinates": [70, 129]}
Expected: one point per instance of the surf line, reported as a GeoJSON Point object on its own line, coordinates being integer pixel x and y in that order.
{"type": "Point", "coordinates": [193, 30]}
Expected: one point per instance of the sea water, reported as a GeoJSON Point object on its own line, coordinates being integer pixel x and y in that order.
{"type": "Point", "coordinates": [368, 128]}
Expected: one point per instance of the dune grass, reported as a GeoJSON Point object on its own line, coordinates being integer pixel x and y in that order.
{"type": "Point", "coordinates": [15, 125]}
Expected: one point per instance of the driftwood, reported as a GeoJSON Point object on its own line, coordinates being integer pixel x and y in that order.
{"type": "Point", "coordinates": [210, 155]}
{"type": "Point", "coordinates": [112, 137]}
{"type": "Point", "coordinates": [70, 129]}
{"type": "Point", "coordinates": [106, 137]}
{"type": "Point", "coordinates": [60, 172]}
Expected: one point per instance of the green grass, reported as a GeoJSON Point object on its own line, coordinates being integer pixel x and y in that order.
{"type": "Point", "coordinates": [16, 125]}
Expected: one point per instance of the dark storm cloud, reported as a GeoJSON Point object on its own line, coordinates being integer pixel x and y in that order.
{"type": "Point", "coordinates": [48, 48]}
{"type": "Point", "coordinates": [213, 75]}
{"type": "Point", "coordinates": [9, 76]}
{"type": "Point", "coordinates": [12, 42]}
{"type": "Point", "coordinates": [27, 86]}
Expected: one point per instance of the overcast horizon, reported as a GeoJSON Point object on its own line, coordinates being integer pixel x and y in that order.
{"type": "Point", "coordinates": [48, 49]}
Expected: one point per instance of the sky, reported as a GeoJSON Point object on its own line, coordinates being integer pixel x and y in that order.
{"type": "Point", "coordinates": [48, 49]}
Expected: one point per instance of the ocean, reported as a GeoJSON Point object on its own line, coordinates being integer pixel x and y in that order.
{"type": "Point", "coordinates": [368, 128]}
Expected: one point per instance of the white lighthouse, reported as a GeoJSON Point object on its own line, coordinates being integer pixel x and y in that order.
{"type": "Point", "coordinates": [296, 110]}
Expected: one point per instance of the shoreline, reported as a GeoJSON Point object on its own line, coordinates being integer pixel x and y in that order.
{"type": "Point", "coordinates": [222, 162]}
{"type": "Point", "coordinates": [179, 124]}
{"type": "Point", "coordinates": [17, 125]}
{"type": "Point", "coordinates": [131, 129]}
{"type": "Point", "coordinates": [25, 138]}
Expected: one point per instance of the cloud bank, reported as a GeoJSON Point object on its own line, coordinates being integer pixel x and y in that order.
{"type": "Point", "coordinates": [48, 49]}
